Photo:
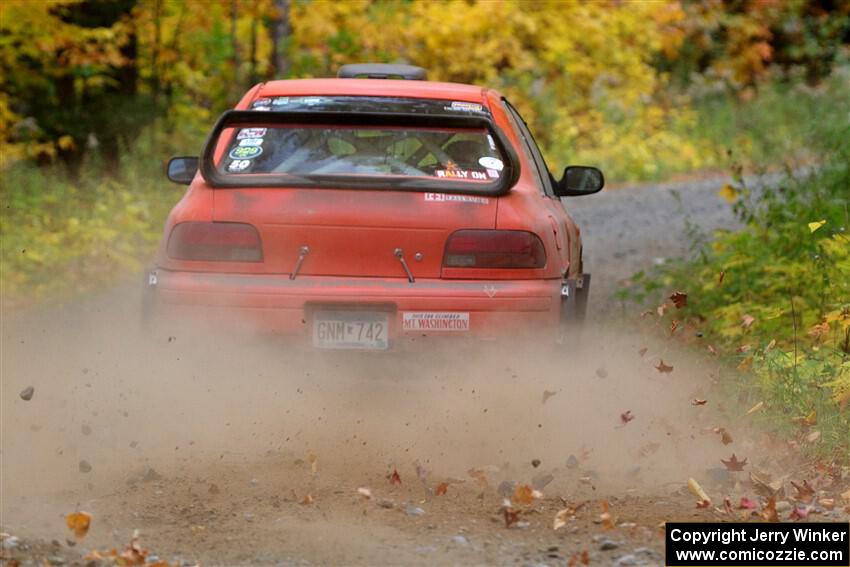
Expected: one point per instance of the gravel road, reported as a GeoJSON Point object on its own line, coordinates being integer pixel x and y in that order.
{"type": "Point", "coordinates": [228, 452]}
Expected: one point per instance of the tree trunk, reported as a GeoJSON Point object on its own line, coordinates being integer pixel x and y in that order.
{"type": "Point", "coordinates": [253, 55]}
{"type": "Point", "coordinates": [280, 40]}
{"type": "Point", "coordinates": [234, 43]}
{"type": "Point", "coordinates": [157, 42]}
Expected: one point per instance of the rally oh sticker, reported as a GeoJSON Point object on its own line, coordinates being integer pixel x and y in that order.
{"type": "Point", "coordinates": [245, 152]}
{"type": "Point", "coordinates": [461, 174]}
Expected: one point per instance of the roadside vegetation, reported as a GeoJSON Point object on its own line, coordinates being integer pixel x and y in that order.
{"type": "Point", "coordinates": [97, 95]}
{"type": "Point", "coordinates": [773, 299]}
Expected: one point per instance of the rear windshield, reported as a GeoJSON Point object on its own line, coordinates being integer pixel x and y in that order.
{"type": "Point", "coordinates": [467, 155]}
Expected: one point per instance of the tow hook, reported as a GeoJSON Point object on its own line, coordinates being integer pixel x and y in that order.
{"type": "Point", "coordinates": [399, 253]}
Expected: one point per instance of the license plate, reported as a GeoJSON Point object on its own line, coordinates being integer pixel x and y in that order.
{"type": "Point", "coordinates": [367, 330]}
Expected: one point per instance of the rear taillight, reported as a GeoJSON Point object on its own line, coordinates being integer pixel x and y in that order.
{"type": "Point", "coordinates": [494, 249]}
{"type": "Point", "coordinates": [215, 242]}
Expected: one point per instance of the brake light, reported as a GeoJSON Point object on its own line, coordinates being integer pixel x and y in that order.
{"type": "Point", "coordinates": [215, 242]}
{"type": "Point", "coordinates": [494, 249]}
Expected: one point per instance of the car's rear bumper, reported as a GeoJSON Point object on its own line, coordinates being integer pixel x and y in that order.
{"type": "Point", "coordinates": [277, 304]}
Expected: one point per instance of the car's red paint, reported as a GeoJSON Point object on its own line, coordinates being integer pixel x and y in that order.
{"type": "Point", "coordinates": [353, 235]}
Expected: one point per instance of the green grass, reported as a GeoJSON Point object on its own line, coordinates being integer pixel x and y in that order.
{"type": "Point", "coordinates": [62, 236]}
{"type": "Point", "coordinates": [793, 279]}
{"type": "Point", "coordinates": [774, 126]}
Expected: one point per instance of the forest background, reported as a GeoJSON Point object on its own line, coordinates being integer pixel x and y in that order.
{"type": "Point", "coordinates": [95, 95]}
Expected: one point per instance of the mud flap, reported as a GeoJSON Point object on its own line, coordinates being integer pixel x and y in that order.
{"type": "Point", "coordinates": [574, 295]}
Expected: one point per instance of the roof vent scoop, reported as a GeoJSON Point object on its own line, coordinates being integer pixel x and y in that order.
{"type": "Point", "coordinates": [381, 71]}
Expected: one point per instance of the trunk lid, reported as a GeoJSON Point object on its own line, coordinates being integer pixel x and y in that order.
{"type": "Point", "coordinates": [353, 232]}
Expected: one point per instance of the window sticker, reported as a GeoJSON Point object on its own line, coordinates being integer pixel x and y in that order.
{"type": "Point", "coordinates": [239, 165]}
{"type": "Point", "coordinates": [448, 197]}
{"type": "Point", "coordinates": [280, 100]}
{"type": "Point", "coordinates": [261, 102]}
{"type": "Point", "coordinates": [492, 142]}
{"type": "Point", "coordinates": [262, 109]}
{"type": "Point", "coordinates": [491, 163]}
{"type": "Point", "coordinates": [251, 142]}
{"type": "Point", "coordinates": [251, 133]}
{"type": "Point", "coordinates": [493, 173]}
{"type": "Point", "coordinates": [465, 106]}
{"type": "Point", "coordinates": [245, 152]}
{"type": "Point", "coordinates": [461, 174]}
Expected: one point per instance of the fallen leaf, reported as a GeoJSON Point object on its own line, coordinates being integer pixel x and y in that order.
{"type": "Point", "coordinates": [769, 511]}
{"type": "Point", "coordinates": [365, 492]}
{"type": "Point", "coordinates": [811, 419]}
{"type": "Point", "coordinates": [479, 476]}
{"type": "Point", "coordinates": [661, 310]}
{"type": "Point", "coordinates": [813, 437]}
{"type": "Point", "coordinates": [307, 500]}
{"type": "Point", "coordinates": [422, 473]}
{"type": "Point", "coordinates": [770, 345]}
{"type": "Point", "coordinates": [727, 505]}
{"type": "Point", "coordinates": [764, 486]}
{"type": "Point", "coordinates": [725, 436]}
{"type": "Point", "coordinates": [605, 517]}
{"type": "Point", "coordinates": [395, 478]}
{"type": "Point", "coordinates": [441, 489]}
{"type": "Point", "coordinates": [744, 348]}
{"type": "Point", "coordinates": [755, 408]}
{"type": "Point", "coordinates": [26, 393]}
{"type": "Point", "coordinates": [522, 494]}
{"type": "Point", "coordinates": [799, 513]}
{"type": "Point", "coordinates": [535, 463]}
{"type": "Point", "coordinates": [84, 466]}
{"type": "Point", "coordinates": [728, 193]}
{"type": "Point", "coordinates": [747, 321]}
{"type": "Point", "coordinates": [813, 226]}
{"type": "Point", "coordinates": [79, 523]}
{"type": "Point", "coordinates": [698, 402]}
{"type": "Point", "coordinates": [704, 501]}
{"type": "Point", "coordinates": [511, 516]}
{"type": "Point", "coordinates": [712, 350]}
{"type": "Point", "coordinates": [663, 368]}
{"type": "Point", "coordinates": [642, 351]}
{"type": "Point", "coordinates": [720, 277]}
{"type": "Point", "coordinates": [818, 331]}
{"type": "Point", "coordinates": [679, 299]}
{"type": "Point", "coordinates": [561, 518]}
{"type": "Point", "coordinates": [582, 558]}
{"type": "Point", "coordinates": [674, 324]}
{"type": "Point", "coordinates": [626, 417]}
{"type": "Point", "coordinates": [133, 554]}
{"type": "Point", "coordinates": [805, 493]}
{"type": "Point", "coordinates": [734, 464]}
{"type": "Point", "coordinates": [828, 503]}
{"type": "Point", "coordinates": [314, 463]}
{"type": "Point", "coordinates": [747, 504]}
{"type": "Point", "coordinates": [746, 363]}
{"type": "Point", "coordinates": [547, 394]}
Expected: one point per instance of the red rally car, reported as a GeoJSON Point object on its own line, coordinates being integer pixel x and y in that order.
{"type": "Point", "coordinates": [355, 212]}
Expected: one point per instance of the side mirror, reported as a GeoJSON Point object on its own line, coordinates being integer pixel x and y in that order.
{"type": "Point", "coordinates": [579, 180]}
{"type": "Point", "coordinates": [182, 170]}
